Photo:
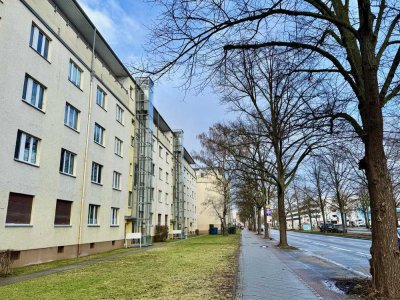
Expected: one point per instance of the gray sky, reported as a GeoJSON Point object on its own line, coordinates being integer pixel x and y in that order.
{"type": "Point", "coordinates": [123, 23]}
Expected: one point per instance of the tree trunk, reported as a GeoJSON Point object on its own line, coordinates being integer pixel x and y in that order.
{"type": "Point", "coordinates": [323, 215]}
{"type": "Point", "coordinates": [343, 220]}
{"type": "Point", "coordinates": [366, 219]}
{"type": "Point", "coordinates": [283, 243]}
{"type": "Point", "coordinates": [385, 250]}
{"type": "Point", "coordinates": [258, 220]}
{"type": "Point", "coordinates": [266, 225]}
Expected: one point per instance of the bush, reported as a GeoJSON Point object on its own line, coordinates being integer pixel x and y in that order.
{"type": "Point", "coordinates": [161, 234]}
{"type": "Point", "coordinates": [5, 262]}
{"type": "Point", "coordinates": [197, 232]}
{"type": "Point", "coordinates": [232, 230]}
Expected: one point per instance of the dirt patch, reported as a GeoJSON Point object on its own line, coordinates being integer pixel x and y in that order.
{"type": "Point", "coordinates": [357, 287]}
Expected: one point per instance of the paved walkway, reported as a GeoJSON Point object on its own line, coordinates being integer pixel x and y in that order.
{"type": "Point", "coordinates": [263, 276]}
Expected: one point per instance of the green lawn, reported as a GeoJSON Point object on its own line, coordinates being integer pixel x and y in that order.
{"type": "Point", "coordinates": [198, 268]}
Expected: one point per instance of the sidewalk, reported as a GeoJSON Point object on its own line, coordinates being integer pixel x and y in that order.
{"type": "Point", "coordinates": [263, 276]}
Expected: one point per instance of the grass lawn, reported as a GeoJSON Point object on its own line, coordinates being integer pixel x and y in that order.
{"type": "Point", "coordinates": [198, 268]}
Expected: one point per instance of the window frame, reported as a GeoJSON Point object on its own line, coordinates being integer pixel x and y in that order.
{"type": "Point", "coordinates": [104, 94]}
{"type": "Point", "coordinates": [19, 152]}
{"type": "Point", "coordinates": [93, 210]}
{"type": "Point", "coordinates": [67, 114]}
{"type": "Point", "coordinates": [14, 210]}
{"type": "Point", "coordinates": [119, 112]}
{"type": "Point", "coordinates": [69, 213]}
{"type": "Point", "coordinates": [62, 162]}
{"type": "Point", "coordinates": [39, 102]}
{"type": "Point", "coordinates": [114, 216]}
{"type": "Point", "coordinates": [78, 71]}
{"type": "Point", "coordinates": [119, 142]}
{"type": "Point", "coordinates": [102, 131]}
{"type": "Point", "coordinates": [116, 183]}
{"type": "Point", "coordinates": [98, 177]}
{"type": "Point", "coordinates": [45, 38]}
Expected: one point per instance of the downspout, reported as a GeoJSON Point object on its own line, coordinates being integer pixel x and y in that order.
{"type": "Point", "coordinates": [85, 161]}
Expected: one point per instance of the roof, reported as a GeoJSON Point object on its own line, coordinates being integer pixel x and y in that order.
{"type": "Point", "coordinates": [76, 15]}
{"type": "Point", "coordinates": [188, 157]}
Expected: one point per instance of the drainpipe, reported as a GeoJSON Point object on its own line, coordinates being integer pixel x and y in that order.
{"type": "Point", "coordinates": [85, 161]}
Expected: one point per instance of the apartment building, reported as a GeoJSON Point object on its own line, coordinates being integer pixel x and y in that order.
{"type": "Point", "coordinates": [72, 138]}
{"type": "Point", "coordinates": [209, 201]}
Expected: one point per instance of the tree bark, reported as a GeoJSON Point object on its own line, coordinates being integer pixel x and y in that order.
{"type": "Point", "coordinates": [258, 220]}
{"type": "Point", "coordinates": [266, 225]}
{"type": "Point", "coordinates": [385, 250]}
{"type": "Point", "coordinates": [283, 243]}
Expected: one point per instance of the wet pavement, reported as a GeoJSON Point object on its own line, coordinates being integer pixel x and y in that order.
{"type": "Point", "coordinates": [347, 253]}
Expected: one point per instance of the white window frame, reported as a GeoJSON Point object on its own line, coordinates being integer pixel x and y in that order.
{"type": "Point", "coordinates": [93, 214]}
{"type": "Point", "coordinates": [118, 147]}
{"type": "Point", "coordinates": [75, 74]}
{"type": "Point", "coordinates": [100, 135]}
{"type": "Point", "coordinates": [27, 148]}
{"type": "Point", "coordinates": [160, 151]}
{"type": "Point", "coordinates": [67, 162]}
{"type": "Point", "coordinates": [33, 92]}
{"type": "Point", "coordinates": [119, 114]}
{"type": "Point", "coordinates": [160, 196]}
{"type": "Point", "coordinates": [96, 173]}
{"type": "Point", "coordinates": [71, 116]}
{"type": "Point", "coordinates": [101, 98]}
{"type": "Point", "coordinates": [116, 181]}
{"type": "Point", "coordinates": [160, 173]}
{"type": "Point", "coordinates": [166, 177]}
{"type": "Point", "coordinates": [39, 41]}
{"type": "Point", "coordinates": [114, 216]}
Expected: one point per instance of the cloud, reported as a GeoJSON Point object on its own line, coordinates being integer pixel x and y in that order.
{"type": "Point", "coordinates": [122, 31]}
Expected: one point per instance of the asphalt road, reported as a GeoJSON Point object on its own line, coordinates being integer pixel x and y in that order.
{"type": "Point", "coordinates": [351, 254]}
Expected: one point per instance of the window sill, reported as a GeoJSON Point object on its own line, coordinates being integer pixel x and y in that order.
{"type": "Point", "coordinates": [18, 225]}
{"type": "Point", "coordinates": [103, 108]}
{"type": "Point", "coordinates": [119, 156]}
{"type": "Point", "coordinates": [66, 174]}
{"type": "Point", "coordinates": [93, 225]}
{"type": "Point", "coordinates": [115, 189]}
{"type": "Point", "coordinates": [62, 226]}
{"type": "Point", "coordinates": [101, 145]}
{"type": "Point", "coordinates": [76, 130]}
{"type": "Point", "coordinates": [26, 163]}
{"type": "Point", "coordinates": [97, 183]}
{"type": "Point", "coordinates": [122, 123]}
{"type": "Point", "coordinates": [33, 106]}
{"type": "Point", "coordinates": [40, 54]}
{"type": "Point", "coordinates": [114, 225]}
{"type": "Point", "coordinates": [73, 83]}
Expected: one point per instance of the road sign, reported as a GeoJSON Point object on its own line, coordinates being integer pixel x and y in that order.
{"type": "Point", "coordinates": [269, 212]}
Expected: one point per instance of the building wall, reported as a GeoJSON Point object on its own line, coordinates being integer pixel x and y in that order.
{"type": "Point", "coordinates": [45, 181]}
{"type": "Point", "coordinates": [205, 188]}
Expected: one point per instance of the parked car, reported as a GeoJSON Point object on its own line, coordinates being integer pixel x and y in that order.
{"type": "Point", "coordinates": [326, 227]}
{"type": "Point", "coordinates": [339, 228]}
{"type": "Point", "coordinates": [398, 236]}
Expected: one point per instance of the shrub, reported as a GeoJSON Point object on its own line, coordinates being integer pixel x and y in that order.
{"type": "Point", "coordinates": [5, 262]}
{"type": "Point", "coordinates": [161, 234]}
{"type": "Point", "coordinates": [197, 232]}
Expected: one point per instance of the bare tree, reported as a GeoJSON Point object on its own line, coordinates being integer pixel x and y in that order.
{"type": "Point", "coordinates": [357, 41]}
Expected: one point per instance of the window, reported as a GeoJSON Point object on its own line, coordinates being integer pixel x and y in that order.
{"type": "Point", "coordinates": [166, 198]}
{"type": "Point", "coordinates": [101, 98]}
{"type": "Point", "coordinates": [63, 212]}
{"type": "Point", "coordinates": [33, 92]}
{"type": "Point", "coordinates": [93, 214]}
{"type": "Point", "coordinates": [118, 147]}
{"type": "Point", "coordinates": [74, 74]}
{"type": "Point", "coordinates": [136, 174]}
{"type": "Point", "coordinates": [160, 151]}
{"type": "Point", "coordinates": [39, 41]}
{"type": "Point", "coordinates": [153, 166]}
{"type": "Point", "coordinates": [114, 215]}
{"type": "Point", "coordinates": [159, 220]}
{"type": "Point", "coordinates": [116, 180]}
{"type": "Point", "coordinates": [19, 209]}
{"type": "Point", "coordinates": [152, 195]}
{"type": "Point", "coordinates": [160, 173]}
{"type": "Point", "coordinates": [159, 196]}
{"type": "Point", "coordinates": [130, 199]}
{"type": "Point", "coordinates": [71, 115]}
{"type": "Point", "coordinates": [99, 134]}
{"type": "Point", "coordinates": [166, 177]}
{"type": "Point", "coordinates": [67, 162]}
{"type": "Point", "coordinates": [120, 114]}
{"type": "Point", "coordinates": [152, 145]}
{"type": "Point", "coordinates": [166, 220]}
{"type": "Point", "coordinates": [96, 172]}
{"type": "Point", "coordinates": [166, 157]}
{"type": "Point", "coordinates": [26, 148]}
